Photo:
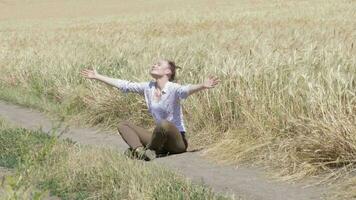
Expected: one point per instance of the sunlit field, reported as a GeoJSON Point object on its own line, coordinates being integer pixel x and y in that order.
{"type": "Point", "coordinates": [43, 166]}
{"type": "Point", "coordinates": [287, 69]}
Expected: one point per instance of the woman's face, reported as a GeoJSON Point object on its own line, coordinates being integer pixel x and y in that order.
{"type": "Point", "coordinates": [160, 69]}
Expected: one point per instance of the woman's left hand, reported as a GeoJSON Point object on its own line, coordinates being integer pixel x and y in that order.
{"type": "Point", "coordinates": [211, 82]}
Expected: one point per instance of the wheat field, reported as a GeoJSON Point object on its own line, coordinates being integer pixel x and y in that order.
{"type": "Point", "coordinates": [287, 68]}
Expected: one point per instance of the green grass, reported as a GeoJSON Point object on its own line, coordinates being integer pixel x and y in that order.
{"type": "Point", "coordinates": [17, 144]}
{"type": "Point", "coordinates": [69, 171]}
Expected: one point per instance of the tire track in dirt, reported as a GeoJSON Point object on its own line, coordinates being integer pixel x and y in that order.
{"type": "Point", "coordinates": [242, 182]}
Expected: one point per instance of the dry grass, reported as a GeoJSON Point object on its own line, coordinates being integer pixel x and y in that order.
{"type": "Point", "coordinates": [43, 165]}
{"type": "Point", "coordinates": [287, 96]}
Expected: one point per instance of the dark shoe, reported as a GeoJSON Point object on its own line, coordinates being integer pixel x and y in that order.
{"type": "Point", "coordinates": [145, 154]}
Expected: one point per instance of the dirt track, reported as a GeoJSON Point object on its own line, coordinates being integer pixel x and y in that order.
{"type": "Point", "coordinates": [242, 182]}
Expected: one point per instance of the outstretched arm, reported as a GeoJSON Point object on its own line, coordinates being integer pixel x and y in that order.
{"type": "Point", "coordinates": [124, 85]}
{"type": "Point", "coordinates": [93, 74]}
{"type": "Point", "coordinates": [211, 82]}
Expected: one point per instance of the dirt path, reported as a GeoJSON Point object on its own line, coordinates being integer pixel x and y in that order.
{"type": "Point", "coordinates": [246, 183]}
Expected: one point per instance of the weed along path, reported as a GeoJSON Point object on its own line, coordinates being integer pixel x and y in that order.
{"type": "Point", "coordinates": [245, 183]}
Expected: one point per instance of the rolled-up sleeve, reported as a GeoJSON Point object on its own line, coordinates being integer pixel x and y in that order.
{"type": "Point", "coordinates": [183, 91]}
{"type": "Point", "coordinates": [129, 86]}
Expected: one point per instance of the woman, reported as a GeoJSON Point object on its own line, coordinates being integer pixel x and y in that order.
{"type": "Point", "coordinates": [163, 101]}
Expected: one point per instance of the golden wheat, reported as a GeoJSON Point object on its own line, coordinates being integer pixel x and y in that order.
{"type": "Point", "coordinates": [287, 96]}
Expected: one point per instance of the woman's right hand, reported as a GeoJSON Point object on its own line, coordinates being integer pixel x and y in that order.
{"type": "Point", "coordinates": [88, 73]}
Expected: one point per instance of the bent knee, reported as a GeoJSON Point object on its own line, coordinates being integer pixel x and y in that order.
{"type": "Point", "coordinates": [122, 124]}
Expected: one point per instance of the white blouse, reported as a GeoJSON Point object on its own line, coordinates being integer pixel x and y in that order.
{"type": "Point", "coordinates": [168, 107]}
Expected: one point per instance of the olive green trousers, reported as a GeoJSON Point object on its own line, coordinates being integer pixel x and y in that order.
{"type": "Point", "coordinates": [165, 138]}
